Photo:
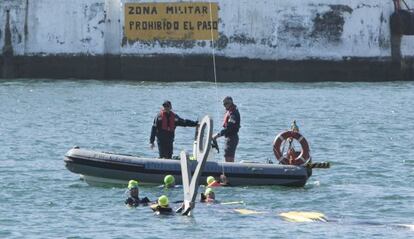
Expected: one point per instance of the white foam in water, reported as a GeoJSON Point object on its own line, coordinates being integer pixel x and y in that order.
{"type": "Point", "coordinates": [409, 226]}
{"type": "Point", "coordinates": [311, 184]}
{"type": "Point", "coordinates": [314, 184]}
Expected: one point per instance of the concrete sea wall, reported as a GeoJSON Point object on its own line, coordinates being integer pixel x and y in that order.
{"type": "Point", "coordinates": [257, 40]}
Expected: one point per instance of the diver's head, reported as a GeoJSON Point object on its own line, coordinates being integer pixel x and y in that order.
{"type": "Point", "coordinates": [169, 181]}
{"type": "Point", "coordinates": [133, 188]}
{"type": "Point", "coordinates": [209, 193]}
{"type": "Point", "coordinates": [163, 201]}
{"type": "Point", "coordinates": [223, 179]}
{"type": "Point", "coordinates": [210, 179]}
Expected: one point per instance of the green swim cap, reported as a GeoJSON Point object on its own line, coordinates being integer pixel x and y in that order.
{"type": "Point", "coordinates": [132, 184]}
{"type": "Point", "coordinates": [208, 191]}
{"type": "Point", "coordinates": [169, 180]}
{"type": "Point", "coordinates": [163, 201]}
{"type": "Point", "coordinates": [210, 179]}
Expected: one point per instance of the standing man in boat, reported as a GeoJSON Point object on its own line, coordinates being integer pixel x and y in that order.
{"type": "Point", "coordinates": [164, 129]}
{"type": "Point", "coordinates": [231, 126]}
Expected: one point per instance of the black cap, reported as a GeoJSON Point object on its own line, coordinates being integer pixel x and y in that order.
{"type": "Point", "coordinates": [167, 103]}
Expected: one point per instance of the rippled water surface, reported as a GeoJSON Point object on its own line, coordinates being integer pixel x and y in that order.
{"type": "Point", "coordinates": [364, 129]}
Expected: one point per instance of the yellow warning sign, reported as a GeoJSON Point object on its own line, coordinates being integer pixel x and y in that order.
{"type": "Point", "coordinates": [171, 21]}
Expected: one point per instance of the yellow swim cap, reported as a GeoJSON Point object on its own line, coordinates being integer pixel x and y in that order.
{"type": "Point", "coordinates": [169, 180]}
{"type": "Point", "coordinates": [210, 179]}
{"type": "Point", "coordinates": [208, 191]}
{"type": "Point", "coordinates": [132, 184]}
{"type": "Point", "coordinates": [163, 201]}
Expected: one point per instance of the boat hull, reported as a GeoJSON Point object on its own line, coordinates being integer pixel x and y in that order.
{"type": "Point", "coordinates": [99, 167]}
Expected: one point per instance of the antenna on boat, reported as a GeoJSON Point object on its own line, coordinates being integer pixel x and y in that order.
{"type": "Point", "coordinates": [191, 182]}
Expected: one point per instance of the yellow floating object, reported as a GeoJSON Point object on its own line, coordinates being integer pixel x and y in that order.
{"type": "Point", "coordinates": [303, 216]}
{"type": "Point", "coordinates": [247, 211]}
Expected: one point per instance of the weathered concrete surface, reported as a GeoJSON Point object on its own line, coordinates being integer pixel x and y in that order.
{"type": "Point", "coordinates": [260, 40]}
{"type": "Point", "coordinates": [7, 61]}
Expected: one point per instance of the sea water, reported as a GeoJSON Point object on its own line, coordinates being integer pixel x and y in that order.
{"type": "Point", "coordinates": [366, 131]}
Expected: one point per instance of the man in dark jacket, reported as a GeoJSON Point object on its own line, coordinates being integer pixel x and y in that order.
{"type": "Point", "coordinates": [231, 126]}
{"type": "Point", "coordinates": [164, 129]}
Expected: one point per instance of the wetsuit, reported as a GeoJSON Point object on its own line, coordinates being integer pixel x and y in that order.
{"type": "Point", "coordinates": [164, 129]}
{"type": "Point", "coordinates": [135, 201]}
{"type": "Point", "coordinates": [231, 126]}
{"type": "Point", "coordinates": [161, 210]}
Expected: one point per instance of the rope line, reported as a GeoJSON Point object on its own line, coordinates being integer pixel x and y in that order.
{"type": "Point", "coordinates": [215, 70]}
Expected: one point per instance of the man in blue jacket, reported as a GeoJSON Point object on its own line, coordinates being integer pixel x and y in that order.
{"type": "Point", "coordinates": [231, 126]}
{"type": "Point", "coordinates": [164, 129]}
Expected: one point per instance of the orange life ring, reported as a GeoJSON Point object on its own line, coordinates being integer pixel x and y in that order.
{"type": "Point", "coordinates": [301, 158]}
